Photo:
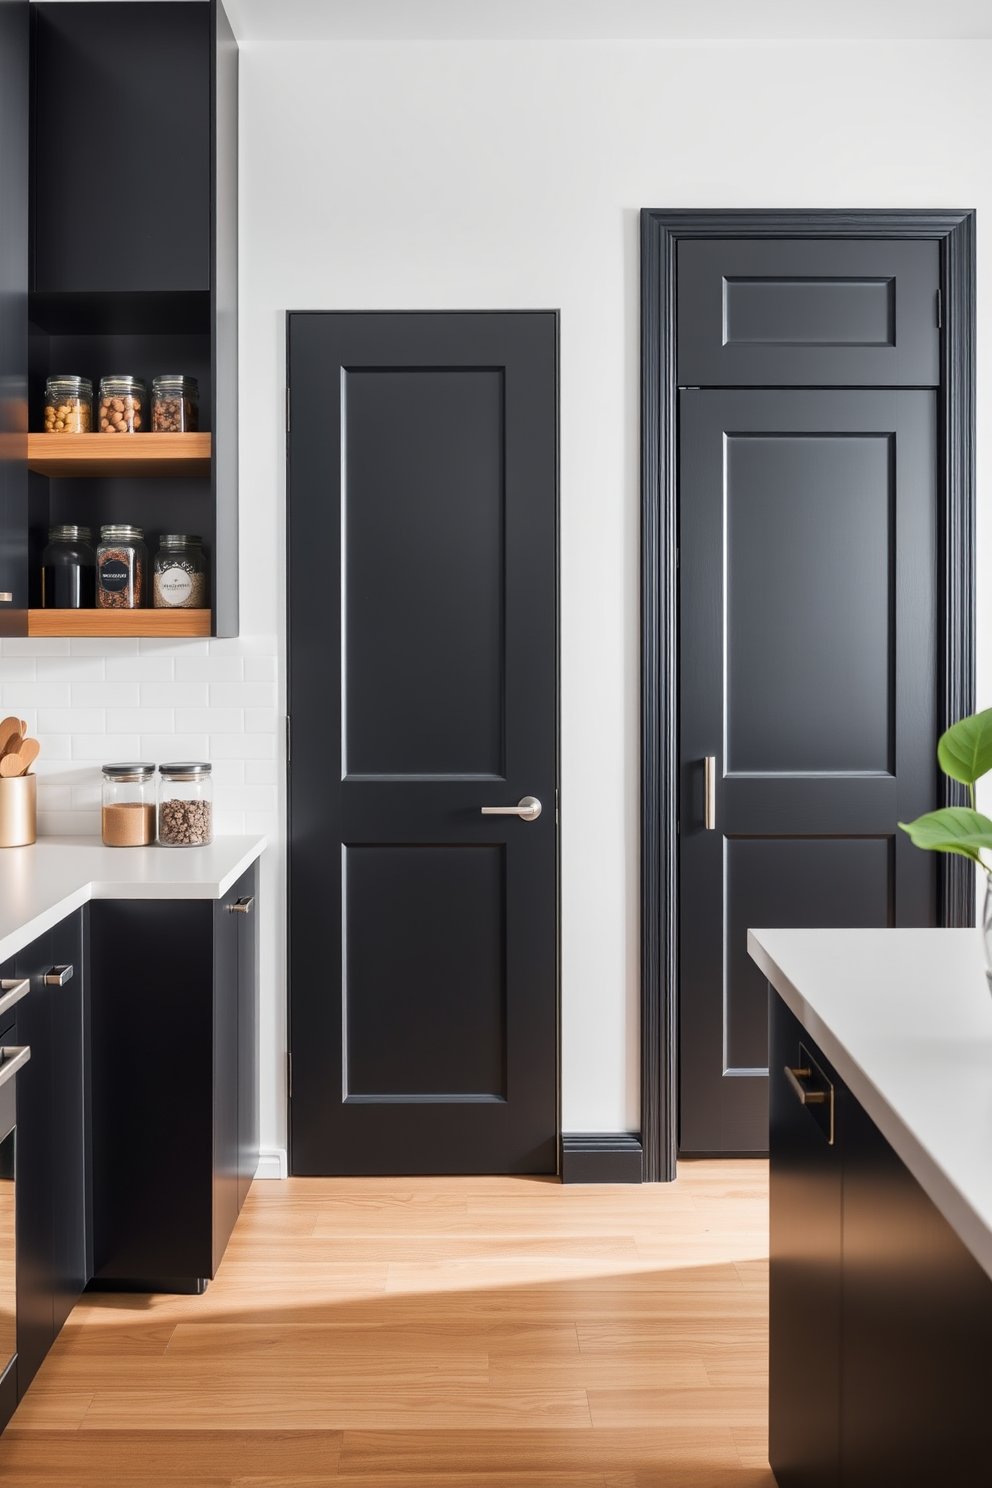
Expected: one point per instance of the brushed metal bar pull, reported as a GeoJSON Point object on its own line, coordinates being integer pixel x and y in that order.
{"type": "Point", "coordinates": [6, 597]}
{"type": "Point", "coordinates": [13, 991]}
{"type": "Point", "coordinates": [243, 905]}
{"type": "Point", "coordinates": [710, 763]}
{"type": "Point", "coordinates": [528, 808]}
{"type": "Point", "coordinates": [12, 1057]}
{"type": "Point", "coordinates": [58, 976]}
{"type": "Point", "coordinates": [808, 1097]}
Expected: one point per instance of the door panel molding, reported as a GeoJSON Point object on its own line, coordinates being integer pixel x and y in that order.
{"type": "Point", "coordinates": [661, 231]}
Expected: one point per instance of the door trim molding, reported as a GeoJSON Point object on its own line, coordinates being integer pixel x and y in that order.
{"type": "Point", "coordinates": [601, 1157]}
{"type": "Point", "coordinates": [660, 232]}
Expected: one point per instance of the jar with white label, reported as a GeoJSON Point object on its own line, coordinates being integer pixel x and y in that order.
{"type": "Point", "coordinates": [121, 560]}
{"type": "Point", "coordinates": [179, 577]}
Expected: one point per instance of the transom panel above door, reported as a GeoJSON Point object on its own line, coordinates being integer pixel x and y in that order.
{"type": "Point", "coordinates": [423, 684]}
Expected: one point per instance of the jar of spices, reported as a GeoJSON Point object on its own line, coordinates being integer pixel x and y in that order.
{"type": "Point", "coordinates": [179, 580]}
{"type": "Point", "coordinates": [175, 404]}
{"type": "Point", "coordinates": [128, 805]}
{"type": "Point", "coordinates": [121, 561]}
{"type": "Point", "coordinates": [122, 405]}
{"type": "Point", "coordinates": [68, 405]}
{"type": "Point", "coordinates": [68, 570]}
{"type": "Point", "coordinates": [185, 805]}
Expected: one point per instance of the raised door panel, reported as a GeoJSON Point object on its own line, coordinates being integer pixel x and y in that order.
{"type": "Point", "coordinates": [808, 313]}
{"type": "Point", "coordinates": [808, 642]}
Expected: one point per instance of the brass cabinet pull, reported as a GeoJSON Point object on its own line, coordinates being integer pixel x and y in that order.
{"type": "Point", "coordinates": [808, 1097]}
{"type": "Point", "coordinates": [820, 1097]}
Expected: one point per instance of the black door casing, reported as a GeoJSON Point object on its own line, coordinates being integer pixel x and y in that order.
{"type": "Point", "coordinates": [423, 686]}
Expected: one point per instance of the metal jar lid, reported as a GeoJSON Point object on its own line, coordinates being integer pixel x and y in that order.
{"type": "Point", "coordinates": [167, 381]}
{"type": "Point", "coordinates": [185, 770]}
{"type": "Point", "coordinates": [134, 770]}
{"type": "Point", "coordinates": [179, 539]}
{"type": "Point", "coordinates": [70, 534]}
{"type": "Point", "coordinates": [70, 383]}
{"type": "Point", "coordinates": [121, 532]}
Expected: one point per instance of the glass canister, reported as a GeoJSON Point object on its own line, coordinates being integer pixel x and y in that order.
{"type": "Point", "coordinates": [68, 405]}
{"type": "Point", "coordinates": [185, 805]}
{"type": "Point", "coordinates": [175, 404]}
{"type": "Point", "coordinates": [68, 570]}
{"type": "Point", "coordinates": [179, 580]}
{"type": "Point", "coordinates": [129, 805]}
{"type": "Point", "coordinates": [121, 564]}
{"type": "Point", "coordinates": [122, 405]}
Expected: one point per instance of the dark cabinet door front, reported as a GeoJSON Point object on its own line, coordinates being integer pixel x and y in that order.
{"type": "Point", "coordinates": [70, 1251]}
{"type": "Point", "coordinates": [247, 918]}
{"type": "Point", "coordinates": [35, 1190]}
{"type": "Point", "coordinates": [808, 576]}
{"type": "Point", "coordinates": [14, 75]}
{"type": "Point", "coordinates": [422, 601]}
{"type": "Point", "coordinates": [805, 1255]}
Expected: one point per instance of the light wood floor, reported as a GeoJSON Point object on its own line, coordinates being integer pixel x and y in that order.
{"type": "Point", "coordinates": [431, 1333]}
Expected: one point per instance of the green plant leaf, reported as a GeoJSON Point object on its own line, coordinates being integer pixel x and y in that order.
{"type": "Point", "coordinates": [953, 829]}
{"type": "Point", "coordinates": [965, 751]}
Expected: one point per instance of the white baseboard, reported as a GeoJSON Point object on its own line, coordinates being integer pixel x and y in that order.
{"type": "Point", "coordinates": [272, 1163]}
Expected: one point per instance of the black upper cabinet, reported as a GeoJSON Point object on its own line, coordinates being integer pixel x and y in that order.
{"type": "Point", "coordinates": [122, 127]}
{"type": "Point", "coordinates": [14, 74]}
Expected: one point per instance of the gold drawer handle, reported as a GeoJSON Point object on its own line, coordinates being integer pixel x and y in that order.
{"type": "Point", "coordinates": [808, 1097]}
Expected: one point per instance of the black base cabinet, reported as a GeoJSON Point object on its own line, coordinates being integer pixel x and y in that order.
{"type": "Point", "coordinates": [880, 1365]}
{"type": "Point", "coordinates": [174, 1085]}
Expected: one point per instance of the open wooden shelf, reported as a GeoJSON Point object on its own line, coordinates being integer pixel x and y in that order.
{"type": "Point", "coordinates": [119, 622]}
{"type": "Point", "coordinates": [119, 454]}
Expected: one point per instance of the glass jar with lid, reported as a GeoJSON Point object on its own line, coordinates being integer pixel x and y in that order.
{"type": "Point", "coordinates": [175, 404]}
{"type": "Point", "coordinates": [179, 580]}
{"type": "Point", "coordinates": [68, 405]}
{"type": "Point", "coordinates": [68, 570]}
{"type": "Point", "coordinates": [121, 564]}
{"type": "Point", "coordinates": [129, 804]}
{"type": "Point", "coordinates": [122, 405]}
{"type": "Point", "coordinates": [185, 805]}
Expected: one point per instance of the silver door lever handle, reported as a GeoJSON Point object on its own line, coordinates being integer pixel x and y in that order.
{"type": "Point", "coordinates": [528, 808]}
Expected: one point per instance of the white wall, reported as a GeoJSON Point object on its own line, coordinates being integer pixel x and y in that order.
{"type": "Point", "coordinates": [471, 175]}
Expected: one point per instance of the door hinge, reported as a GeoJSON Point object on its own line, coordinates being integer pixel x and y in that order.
{"type": "Point", "coordinates": [287, 410]}
{"type": "Point", "coordinates": [289, 1075]}
{"type": "Point", "coordinates": [289, 739]}
{"type": "Point", "coordinates": [940, 312]}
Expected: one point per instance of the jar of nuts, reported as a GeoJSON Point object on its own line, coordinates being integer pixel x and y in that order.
{"type": "Point", "coordinates": [175, 404]}
{"type": "Point", "coordinates": [185, 805]}
{"type": "Point", "coordinates": [178, 578]}
{"type": "Point", "coordinates": [122, 405]}
{"type": "Point", "coordinates": [68, 405]}
{"type": "Point", "coordinates": [121, 564]}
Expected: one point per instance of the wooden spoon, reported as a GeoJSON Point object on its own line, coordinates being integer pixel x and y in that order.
{"type": "Point", "coordinates": [8, 728]}
{"type": "Point", "coordinates": [28, 753]}
{"type": "Point", "coordinates": [24, 727]}
{"type": "Point", "coordinates": [11, 765]}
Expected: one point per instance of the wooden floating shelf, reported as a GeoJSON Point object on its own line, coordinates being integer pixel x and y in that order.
{"type": "Point", "coordinates": [119, 454]}
{"type": "Point", "coordinates": [119, 622]}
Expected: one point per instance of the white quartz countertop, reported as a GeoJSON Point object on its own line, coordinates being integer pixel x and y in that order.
{"type": "Point", "coordinates": [40, 885]}
{"type": "Point", "coordinates": [905, 1018]}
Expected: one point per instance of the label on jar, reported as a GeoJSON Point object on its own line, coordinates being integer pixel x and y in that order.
{"type": "Point", "coordinates": [114, 575]}
{"type": "Point", "coordinates": [173, 586]}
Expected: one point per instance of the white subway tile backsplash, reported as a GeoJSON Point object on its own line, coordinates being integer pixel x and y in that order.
{"type": "Point", "coordinates": [105, 695]}
{"type": "Point", "coordinates": [32, 646]}
{"type": "Point", "coordinates": [210, 720]}
{"type": "Point", "coordinates": [16, 668]}
{"type": "Point", "coordinates": [17, 696]}
{"type": "Point", "coordinates": [106, 748]}
{"type": "Point", "coordinates": [71, 721]}
{"type": "Point", "coordinates": [161, 748]}
{"type": "Point", "coordinates": [93, 700]}
{"type": "Point", "coordinates": [243, 746]}
{"type": "Point", "coordinates": [140, 668]}
{"type": "Point", "coordinates": [174, 695]}
{"type": "Point", "coordinates": [260, 669]}
{"type": "Point", "coordinates": [140, 720]}
{"type": "Point", "coordinates": [103, 646]}
{"type": "Point", "coordinates": [209, 668]}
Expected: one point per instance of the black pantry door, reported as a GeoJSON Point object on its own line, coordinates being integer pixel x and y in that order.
{"type": "Point", "coordinates": [423, 688]}
{"type": "Point", "coordinates": [808, 626]}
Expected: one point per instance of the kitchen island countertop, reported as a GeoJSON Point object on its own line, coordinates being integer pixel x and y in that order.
{"type": "Point", "coordinates": [905, 1017]}
{"type": "Point", "coordinates": [41, 884]}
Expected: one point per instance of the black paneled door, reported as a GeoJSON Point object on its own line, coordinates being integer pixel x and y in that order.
{"type": "Point", "coordinates": [808, 628]}
{"type": "Point", "coordinates": [423, 688]}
